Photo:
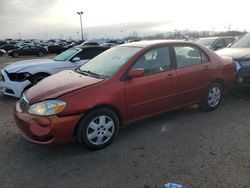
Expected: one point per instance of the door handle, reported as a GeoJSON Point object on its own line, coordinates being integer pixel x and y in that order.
{"type": "Point", "coordinates": [170, 76]}
{"type": "Point", "coordinates": [206, 67]}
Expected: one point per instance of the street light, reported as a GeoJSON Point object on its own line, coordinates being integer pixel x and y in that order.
{"type": "Point", "coordinates": [80, 13]}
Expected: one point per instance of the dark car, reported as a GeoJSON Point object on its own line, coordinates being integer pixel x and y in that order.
{"type": "Point", "coordinates": [216, 43]}
{"type": "Point", "coordinates": [3, 42]}
{"type": "Point", "coordinates": [28, 50]}
{"type": "Point", "coordinates": [2, 52]}
{"type": "Point", "coordinates": [8, 47]}
{"type": "Point", "coordinates": [240, 52]}
{"type": "Point", "coordinates": [55, 49]}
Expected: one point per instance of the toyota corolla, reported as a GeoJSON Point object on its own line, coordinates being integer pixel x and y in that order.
{"type": "Point", "coordinates": [122, 85]}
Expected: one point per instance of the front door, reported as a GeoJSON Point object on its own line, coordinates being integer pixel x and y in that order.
{"type": "Point", "coordinates": [154, 92]}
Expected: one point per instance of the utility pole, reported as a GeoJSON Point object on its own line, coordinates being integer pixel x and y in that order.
{"type": "Point", "coordinates": [80, 14]}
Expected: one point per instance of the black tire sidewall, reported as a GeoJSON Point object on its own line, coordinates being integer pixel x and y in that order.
{"type": "Point", "coordinates": [81, 132]}
{"type": "Point", "coordinates": [205, 104]}
{"type": "Point", "coordinates": [15, 54]}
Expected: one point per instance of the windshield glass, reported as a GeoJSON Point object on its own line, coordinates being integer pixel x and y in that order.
{"type": "Point", "coordinates": [109, 62]}
{"type": "Point", "coordinates": [243, 42]}
{"type": "Point", "coordinates": [65, 55]}
{"type": "Point", "coordinates": [207, 41]}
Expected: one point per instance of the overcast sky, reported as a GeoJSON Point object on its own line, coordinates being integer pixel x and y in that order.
{"type": "Point", "coordinates": [115, 18]}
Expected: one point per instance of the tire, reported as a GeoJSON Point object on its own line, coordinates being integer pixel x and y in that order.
{"type": "Point", "coordinates": [98, 128]}
{"type": "Point", "coordinates": [212, 97]}
{"type": "Point", "coordinates": [37, 78]}
{"type": "Point", "coordinates": [40, 54]}
{"type": "Point", "coordinates": [15, 55]}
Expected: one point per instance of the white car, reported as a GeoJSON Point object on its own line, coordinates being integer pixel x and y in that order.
{"type": "Point", "coordinates": [19, 76]}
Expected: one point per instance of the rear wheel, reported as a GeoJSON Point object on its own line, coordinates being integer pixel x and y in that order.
{"type": "Point", "coordinates": [212, 97]}
{"type": "Point", "coordinates": [40, 54]}
{"type": "Point", "coordinates": [98, 128]}
{"type": "Point", "coordinates": [15, 54]}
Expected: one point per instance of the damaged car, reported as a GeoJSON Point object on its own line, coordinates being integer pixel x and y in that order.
{"type": "Point", "coordinates": [240, 52]}
{"type": "Point", "coordinates": [19, 76]}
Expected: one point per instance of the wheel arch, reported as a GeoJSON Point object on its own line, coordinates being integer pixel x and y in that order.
{"type": "Point", "coordinates": [220, 81]}
{"type": "Point", "coordinates": [107, 106]}
{"type": "Point", "coordinates": [32, 77]}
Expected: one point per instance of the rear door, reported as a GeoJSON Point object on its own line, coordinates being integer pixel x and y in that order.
{"type": "Point", "coordinates": [193, 73]}
{"type": "Point", "coordinates": [155, 91]}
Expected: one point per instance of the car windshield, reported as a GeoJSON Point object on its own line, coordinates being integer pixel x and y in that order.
{"type": "Point", "coordinates": [243, 42]}
{"type": "Point", "coordinates": [207, 41]}
{"type": "Point", "coordinates": [66, 55]}
{"type": "Point", "coordinates": [109, 62]}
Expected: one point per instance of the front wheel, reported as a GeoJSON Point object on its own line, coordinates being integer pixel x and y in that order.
{"type": "Point", "coordinates": [98, 128]}
{"type": "Point", "coordinates": [212, 97]}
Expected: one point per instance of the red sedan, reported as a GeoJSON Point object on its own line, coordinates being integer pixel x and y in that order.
{"type": "Point", "coordinates": [122, 85]}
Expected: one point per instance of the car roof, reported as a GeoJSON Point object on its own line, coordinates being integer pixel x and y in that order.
{"type": "Point", "coordinates": [223, 37]}
{"type": "Point", "coordinates": [91, 47]}
{"type": "Point", "coordinates": [148, 43]}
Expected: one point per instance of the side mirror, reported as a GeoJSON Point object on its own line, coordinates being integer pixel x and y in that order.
{"type": "Point", "coordinates": [135, 73]}
{"type": "Point", "coordinates": [75, 59]}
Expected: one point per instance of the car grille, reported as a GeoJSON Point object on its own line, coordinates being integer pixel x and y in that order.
{"type": "Point", "coordinates": [23, 103]}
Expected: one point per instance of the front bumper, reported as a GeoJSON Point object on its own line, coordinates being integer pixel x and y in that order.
{"type": "Point", "coordinates": [12, 88]}
{"type": "Point", "coordinates": [46, 130]}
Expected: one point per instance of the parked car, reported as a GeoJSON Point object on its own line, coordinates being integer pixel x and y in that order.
{"type": "Point", "coordinates": [28, 50]}
{"type": "Point", "coordinates": [3, 42]}
{"type": "Point", "coordinates": [108, 44]}
{"type": "Point", "coordinates": [55, 49]}
{"type": "Point", "coordinates": [89, 43]}
{"type": "Point", "coordinates": [20, 76]}
{"type": "Point", "coordinates": [240, 52]}
{"type": "Point", "coordinates": [122, 85]}
{"type": "Point", "coordinates": [2, 52]}
{"type": "Point", "coordinates": [216, 43]}
{"type": "Point", "coordinates": [8, 47]}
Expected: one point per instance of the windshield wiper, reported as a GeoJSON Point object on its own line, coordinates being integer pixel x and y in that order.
{"type": "Point", "coordinates": [88, 73]}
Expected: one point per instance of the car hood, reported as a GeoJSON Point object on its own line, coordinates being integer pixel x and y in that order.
{"type": "Point", "coordinates": [20, 65]}
{"type": "Point", "coordinates": [59, 84]}
{"type": "Point", "coordinates": [235, 53]}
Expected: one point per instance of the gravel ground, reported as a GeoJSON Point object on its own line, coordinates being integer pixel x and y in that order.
{"type": "Point", "coordinates": [187, 146]}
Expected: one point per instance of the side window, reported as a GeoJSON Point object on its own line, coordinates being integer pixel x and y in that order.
{"type": "Point", "coordinates": [154, 61]}
{"type": "Point", "coordinates": [89, 54]}
{"type": "Point", "coordinates": [221, 42]}
{"type": "Point", "coordinates": [188, 55]}
{"type": "Point", "coordinates": [26, 48]}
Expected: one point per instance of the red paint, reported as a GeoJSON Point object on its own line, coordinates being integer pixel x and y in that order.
{"type": "Point", "coordinates": [134, 99]}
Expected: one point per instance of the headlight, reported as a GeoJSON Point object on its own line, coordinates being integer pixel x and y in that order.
{"type": "Point", "coordinates": [238, 65]}
{"type": "Point", "coordinates": [46, 108]}
{"type": "Point", "coordinates": [19, 77]}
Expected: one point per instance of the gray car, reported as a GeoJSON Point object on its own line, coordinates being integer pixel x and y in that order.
{"type": "Point", "coordinates": [216, 43]}
{"type": "Point", "coordinates": [240, 52]}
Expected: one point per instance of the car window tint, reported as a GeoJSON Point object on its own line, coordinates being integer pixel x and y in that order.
{"type": "Point", "coordinates": [89, 54]}
{"type": "Point", "coordinates": [221, 42]}
{"type": "Point", "coordinates": [187, 56]}
{"type": "Point", "coordinates": [154, 61]}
